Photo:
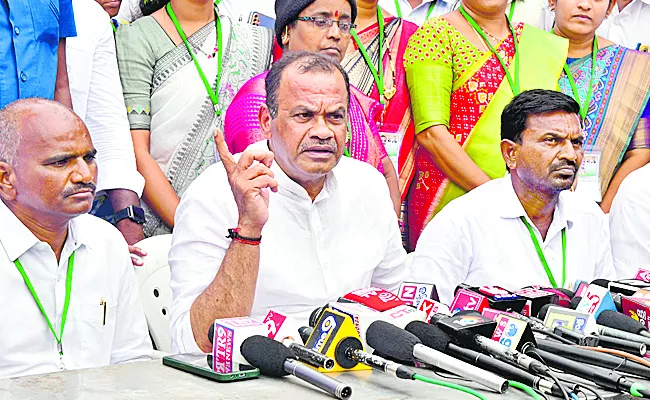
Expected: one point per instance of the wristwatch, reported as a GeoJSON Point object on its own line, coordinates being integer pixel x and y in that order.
{"type": "Point", "coordinates": [134, 213]}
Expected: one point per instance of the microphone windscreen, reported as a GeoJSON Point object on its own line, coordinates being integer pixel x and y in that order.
{"type": "Point", "coordinates": [575, 301]}
{"type": "Point", "coordinates": [266, 354]}
{"type": "Point", "coordinates": [391, 340]}
{"type": "Point", "coordinates": [315, 316]}
{"type": "Point", "coordinates": [542, 311]}
{"type": "Point", "coordinates": [601, 282]}
{"type": "Point", "coordinates": [430, 335]}
{"type": "Point", "coordinates": [211, 333]}
{"type": "Point", "coordinates": [613, 319]}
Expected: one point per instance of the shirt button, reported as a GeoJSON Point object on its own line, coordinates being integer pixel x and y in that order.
{"type": "Point", "coordinates": [16, 30]}
{"type": "Point", "coordinates": [23, 77]}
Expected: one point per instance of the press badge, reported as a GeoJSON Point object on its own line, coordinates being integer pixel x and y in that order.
{"type": "Point", "coordinates": [589, 176]}
{"type": "Point", "coordinates": [392, 143]}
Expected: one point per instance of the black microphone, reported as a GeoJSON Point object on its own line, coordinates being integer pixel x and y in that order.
{"type": "Point", "coordinates": [275, 359]}
{"type": "Point", "coordinates": [613, 319]}
{"type": "Point", "coordinates": [305, 332]}
{"type": "Point", "coordinates": [594, 358]}
{"type": "Point", "coordinates": [602, 377]}
{"type": "Point", "coordinates": [434, 337]}
{"type": "Point", "coordinates": [638, 349]}
{"type": "Point", "coordinates": [404, 346]}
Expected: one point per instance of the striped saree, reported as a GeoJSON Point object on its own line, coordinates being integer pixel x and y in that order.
{"type": "Point", "coordinates": [454, 84]}
{"type": "Point", "coordinates": [618, 118]}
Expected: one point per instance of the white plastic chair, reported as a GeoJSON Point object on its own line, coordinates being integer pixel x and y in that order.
{"type": "Point", "coordinates": [155, 294]}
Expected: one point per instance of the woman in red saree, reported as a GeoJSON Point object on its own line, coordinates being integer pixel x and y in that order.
{"type": "Point", "coordinates": [381, 36]}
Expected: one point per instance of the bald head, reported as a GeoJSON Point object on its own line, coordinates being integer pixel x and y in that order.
{"type": "Point", "coordinates": [20, 114]}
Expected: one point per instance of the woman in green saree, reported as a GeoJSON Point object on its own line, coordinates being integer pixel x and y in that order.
{"type": "Point", "coordinates": [462, 69]}
{"type": "Point", "coordinates": [613, 97]}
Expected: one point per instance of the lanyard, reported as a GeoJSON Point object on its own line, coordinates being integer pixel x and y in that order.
{"type": "Point", "coordinates": [540, 253]}
{"type": "Point", "coordinates": [514, 84]}
{"type": "Point", "coordinates": [214, 97]}
{"type": "Point", "coordinates": [512, 10]}
{"type": "Point", "coordinates": [68, 290]}
{"type": "Point", "coordinates": [429, 12]}
{"type": "Point", "coordinates": [377, 73]}
{"type": "Point", "coordinates": [584, 107]}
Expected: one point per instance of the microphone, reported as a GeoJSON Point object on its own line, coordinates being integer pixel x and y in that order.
{"type": "Point", "coordinates": [404, 346]}
{"type": "Point", "coordinates": [305, 332]}
{"type": "Point", "coordinates": [274, 359]}
{"type": "Point", "coordinates": [471, 329]}
{"type": "Point", "coordinates": [602, 377]}
{"type": "Point", "coordinates": [432, 307]}
{"type": "Point", "coordinates": [413, 293]}
{"type": "Point", "coordinates": [500, 299]}
{"type": "Point", "coordinates": [375, 298]}
{"type": "Point", "coordinates": [466, 299]}
{"type": "Point", "coordinates": [643, 275]}
{"type": "Point", "coordinates": [612, 319]}
{"type": "Point", "coordinates": [512, 332]}
{"type": "Point", "coordinates": [226, 336]}
{"type": "Point", "coordinates": [635, 348]}
{"type": "Point", "coordinates": [280, 326]}
{"type": "Point", "coordinates": [594, 358]}
{"type": "Point", "coordinates": [537, 299]}
{"type": "Point", "coordinates": [559, 316]}
{"type": "Point", "coordinates": [595, 300]}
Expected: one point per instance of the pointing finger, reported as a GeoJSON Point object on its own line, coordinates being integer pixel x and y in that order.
{"type": "Point", "coordinates": [224, 154]}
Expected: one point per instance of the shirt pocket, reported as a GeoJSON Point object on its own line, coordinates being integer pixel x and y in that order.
{"type": "Point", "coordinates": [45, 15]}
{"type": "Point", "coordinates": [97, 334]}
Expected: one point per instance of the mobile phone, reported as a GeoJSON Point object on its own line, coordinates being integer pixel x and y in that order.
{"type": "Point", "coordinates": [259, 19]}
{"type": "Point", "coordinates": [199, 364]}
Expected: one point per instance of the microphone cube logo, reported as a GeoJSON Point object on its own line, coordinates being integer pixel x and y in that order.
{"type": "Point", "coordinates": [222, 349]}
{"type": "Point", "coordinates": [327, 327]}
{"type": "Point", "coordinates": [407, 293]}
{"type": "Point", "coordinates": [643, 275]}
{"type": "Point", "coordinates": [415, 293]}
{"type": "Point", "coordinates": [273, 322]}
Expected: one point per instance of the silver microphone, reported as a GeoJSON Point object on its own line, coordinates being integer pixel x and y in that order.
{"type": "Point", "coordinates": [330, 385]}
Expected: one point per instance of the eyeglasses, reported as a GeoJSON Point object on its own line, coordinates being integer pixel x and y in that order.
{"type": "Point", "coordinates": [326, 23]}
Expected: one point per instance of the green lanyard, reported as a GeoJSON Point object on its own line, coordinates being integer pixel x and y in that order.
{"type": "Point", "coordinates": [584, 107]}
{"type": "Point", "coordinates": [377, 73]}
{"type": "Point", "coordinates": [540, 253]}
{"type": "Point", "coordinates": [66, 305]}
{"type": "Point", "coordinates": [429, 12]}
{"type": "Point", "coordinates": [348, 142]}
{"type": "Point", "coordinates": [512, 10]}
{"type": "Point", "coordinates": [214, 97]}
{"type": "Point", "coordinates": [514, 84]}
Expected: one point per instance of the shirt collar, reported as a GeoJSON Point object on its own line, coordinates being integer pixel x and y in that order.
{"type": "Point", "coordinates": [511, 206]}
{"type": "Point", "coordinates": [292, 186]}
{"type": "Point", "coordinates": [17, 239]}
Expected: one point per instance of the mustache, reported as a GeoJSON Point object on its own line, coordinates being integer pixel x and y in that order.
{"type": "Point", "coordinates": [326, 144]}
{"type": "Point", "coordinates": [564, 164]}
{"type": "Point", "coordinates": [78, 188]}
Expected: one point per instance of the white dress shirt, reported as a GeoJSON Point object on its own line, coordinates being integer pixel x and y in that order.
{"type": "Point", "coordinates": [630, 27]}
{"type": "Point", "coordinates": [311, 252]}
{"type": "Point", "coordinates": [418, 15]}
{"type": "Point", "coordinates": [102, 271]}
{"type": "Point", "coordinates": [630, 224]}
{"type": "Point", "coordinates": [97, 97]}
{"type": "Point", "coordinates": [480, 239]}
{"type": "Point", "coordinates": [530, 12]}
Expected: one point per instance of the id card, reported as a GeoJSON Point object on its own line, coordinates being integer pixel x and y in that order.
{"type": "Point", "coordinates": [392, 143]}
{"type": "Point", "coordinates": [589, 176]}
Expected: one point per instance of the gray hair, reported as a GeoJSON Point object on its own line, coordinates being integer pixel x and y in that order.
{"type": "Point", "coordinates": [9, 134]}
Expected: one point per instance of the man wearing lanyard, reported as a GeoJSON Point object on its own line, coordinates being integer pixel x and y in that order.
{"type": "Point", "coordinates": [68, 289]}
{"type": "Point", "coordinates": [418, 11]}
{"type": "Point", "coordinates": [526, 228]}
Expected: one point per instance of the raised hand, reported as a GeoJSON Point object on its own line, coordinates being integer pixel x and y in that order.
{"type": "Point", "coordinates": [249, 184]}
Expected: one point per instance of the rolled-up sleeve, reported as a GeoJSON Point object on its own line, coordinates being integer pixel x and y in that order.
{"type": "Point", "coordinates": [199, 244]}
{"type": "Point", "coordinates": [67, 27]}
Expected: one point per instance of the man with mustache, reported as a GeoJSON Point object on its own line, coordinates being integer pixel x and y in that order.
{"type": "Point", "coordinates": [289, 224]}
{"type": "Point", "coordinates": [527, 228]}
{"type": "Point", "coordinates": [67, 285]}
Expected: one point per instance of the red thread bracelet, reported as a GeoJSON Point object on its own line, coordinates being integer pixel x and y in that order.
{"type": "Point", "coordinates": [234, 235]}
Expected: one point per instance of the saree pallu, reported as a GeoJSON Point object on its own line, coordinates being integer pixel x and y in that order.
{"type": "Point", "coordinates": [396, 117]}
{"type": "Point", "coordinates": [182, 114]}
{"type": "Point", "coordinates": [454, 84]}
{"type": "Point", "coordinates": [242, 126]}
{"type": "Point", "coordinates": [615, 121]}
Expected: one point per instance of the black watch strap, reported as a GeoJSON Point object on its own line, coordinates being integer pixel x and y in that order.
{"type": "Point", "coordinates": [134, 213]}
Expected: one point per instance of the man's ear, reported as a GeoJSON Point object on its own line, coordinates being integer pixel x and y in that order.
{"type": "Point", "coordinates": [265, 118]}
{"type": "Point", "coordinates": [509, 150]}
{"type": "Point", "coordinates": [612, 4]}
{"type": "Point", "coordinates": [7, 181]}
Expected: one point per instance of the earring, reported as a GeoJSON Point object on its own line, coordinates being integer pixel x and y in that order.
{"type": "Point", "coordinates": [285, 35]}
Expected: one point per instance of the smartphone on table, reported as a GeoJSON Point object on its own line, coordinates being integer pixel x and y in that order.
{"type": "Point", "coordinates": [201, 364]}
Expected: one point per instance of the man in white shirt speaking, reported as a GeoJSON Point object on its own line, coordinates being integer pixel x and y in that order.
{"type": "Point", "coordinates": [289, 224]}
{"type": "Point", "coordinates": [526, 228]}
{"type": "Point", "coordinates": [67, 287]}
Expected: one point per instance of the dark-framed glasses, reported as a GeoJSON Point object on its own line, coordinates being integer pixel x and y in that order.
{"type": "Point", "coordinates": [326, 23]}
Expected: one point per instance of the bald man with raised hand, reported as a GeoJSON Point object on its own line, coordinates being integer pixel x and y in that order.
{"type": "Point", "coordinates": [67, 286]}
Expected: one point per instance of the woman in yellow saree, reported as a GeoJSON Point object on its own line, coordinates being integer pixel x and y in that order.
{"type": "Point", "coordinates": [462, 69]}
